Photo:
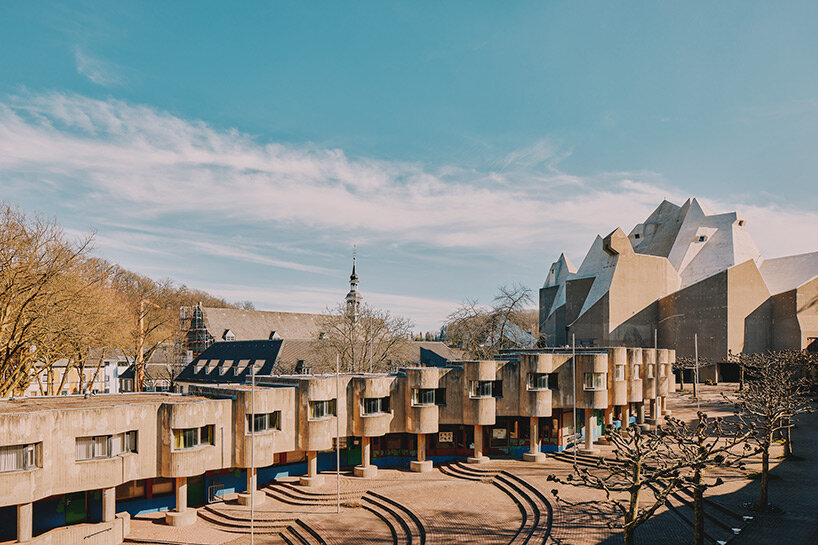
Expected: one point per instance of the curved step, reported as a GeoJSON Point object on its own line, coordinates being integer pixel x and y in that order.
{"type": "Point", "coordinates": [526, 511]}
{"type": "Point", "coordinates": [546, 511]}
{"type": "Point", "coordinates": [398, 531]}
{"type": "Point", "coordinates": [417, 530]}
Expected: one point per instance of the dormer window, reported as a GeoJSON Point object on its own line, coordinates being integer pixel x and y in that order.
{"type": "Point", "coordinates": [274, 336]}
{"type": "Point", "coordinates": [701, 238]}
{"type": "Point", "coordinates": [228, 335]}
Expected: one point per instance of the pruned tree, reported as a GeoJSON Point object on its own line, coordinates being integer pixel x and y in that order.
{"type": "Point", "coordinates": [775, 394]}
{"type": "Point", "coordinates": [685, 363]}
{"type": "Point", "coordinates": [643, 460]}
{"type": "Point", "coordinates": [703, 445]}
{"type": "Point", "coordinates": [371, 339]}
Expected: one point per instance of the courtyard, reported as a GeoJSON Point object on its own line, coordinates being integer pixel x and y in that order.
{"type": "Point", "coordinates": [506, 501]}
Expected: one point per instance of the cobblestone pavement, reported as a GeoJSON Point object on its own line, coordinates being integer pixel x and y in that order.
{"type": "Point", "coordinates": [458, 511]}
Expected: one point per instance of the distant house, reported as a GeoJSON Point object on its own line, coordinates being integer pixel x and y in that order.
{"type": "Point", "coordinates": [64, 377]}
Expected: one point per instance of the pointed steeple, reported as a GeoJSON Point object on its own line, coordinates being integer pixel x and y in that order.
{"type": "Point", "coordinates": [353, 298]}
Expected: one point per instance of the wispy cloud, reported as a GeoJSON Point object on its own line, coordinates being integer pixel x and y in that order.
{"type": "Point", "coordinates": [150, 165]}
{"type": "Point", "coordinates": [97, 70]}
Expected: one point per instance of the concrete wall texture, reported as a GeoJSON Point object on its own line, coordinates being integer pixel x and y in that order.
{"type": "Point", "coordinates": [683, 272]}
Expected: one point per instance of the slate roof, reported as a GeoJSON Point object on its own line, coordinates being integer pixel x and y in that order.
{"type": "Point", "coordinates": [249, 325]}
{"type": "Point", "coordinates": [230, 361]}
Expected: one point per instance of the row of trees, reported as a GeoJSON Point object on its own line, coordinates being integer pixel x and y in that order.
{"type": "Point", "coordinates": [57, 302]}
{"type": "Point", "coordinates": [680, 455]}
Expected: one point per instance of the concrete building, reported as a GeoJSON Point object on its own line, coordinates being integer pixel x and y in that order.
{"type": "Point", "coordinates": [98, 459]}
{"type": "Point", "coordinates": [684, 271]}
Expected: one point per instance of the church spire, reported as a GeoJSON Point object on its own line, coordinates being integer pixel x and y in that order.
{"type": "Point", "coordinates": [353, 298]}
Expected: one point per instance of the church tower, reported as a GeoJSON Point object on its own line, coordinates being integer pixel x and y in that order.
{"type": "Point", "coordinates": [353, 298]}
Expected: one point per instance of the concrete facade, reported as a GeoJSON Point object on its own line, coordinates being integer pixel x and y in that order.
{"type": "Point", "coordinates": [109, 443]}
{"type": "Point", "coordinates": [682, 272]}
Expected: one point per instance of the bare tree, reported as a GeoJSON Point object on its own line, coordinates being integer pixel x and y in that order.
{"type": "Point", "coordinates": [481, 331]}
{"type": "Point", "coordinates": [642, 460]}
{"type": "Point", "coordinates": [702, 445]}
{"type": "Point", "coordinates": [774, 395]}
{"type": "Point", "coordinates": [372, 338]}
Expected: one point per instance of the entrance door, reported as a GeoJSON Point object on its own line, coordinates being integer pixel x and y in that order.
{"type": "Point", "coordinates": [196, 491]}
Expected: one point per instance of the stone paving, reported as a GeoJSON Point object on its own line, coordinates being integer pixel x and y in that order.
{"type": "Point", "coordinates": [460, 511]}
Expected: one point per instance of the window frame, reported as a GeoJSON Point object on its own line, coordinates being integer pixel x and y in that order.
{"type": "Point", "coordinates": [31, 455]}
{"type": "Point", "coordinates": [620, 372]}
{"type": "Point", "coordinates": [373, 406]}
{"type": "Point", "coordinates": [329, 408]}
{"type": "Point", "coordinates": [597, 382]}
{"type": "Point", "coordinates": [424, 397]}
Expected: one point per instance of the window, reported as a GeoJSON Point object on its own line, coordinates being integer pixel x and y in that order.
{"type": "Point", "coordinates": [637, 372]}
{"type": "Point", "coordinates": [543, 381]}
{"type": "Point", "coordinates": [741, 223]}
{"type": "Point", "coordinates": [20, 457]}
{"type": "Point", "coordinates": [661, 370]}
{"type": "Point", "coordinates": [497, 388]}
{"type": "Point", "coordinates": [264, 422]}
{"type": "Point", "coordinates": [701, 238]}
{"type": "Point", "coordinates": [481, 388]}
{"type": "Point", "coordinates": [636, 235]}
{"type": "Point", "coordinates": [423, 396]}
{"type": "Point", "coordinates": [105, 446]}
{"type": "Point", "coordinates": [192, 437]}
{"type": "Point", "coordinates": [322, 409]}
{"type": "Point", "coordinates": [650, 370]}
{"type": "Point", "coordinates": [595, 381]}
{"type": "Point", "coordinates": [619, 372]}
{"type": "Point", "coordinates": [376, 405]}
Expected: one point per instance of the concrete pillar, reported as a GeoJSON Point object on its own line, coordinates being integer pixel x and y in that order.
{"type": "Point", "coordinates": [478, 457]}
{"type": "Point", "coordinates": [312, 478]}
{"type": "Point", "coordinates": [366, 469]}
{"type": "Point", "coordinates": [24, 521]}
{"type": "Point", "coordinates": [252, 488]}
{"type": "Point", "coordinates": [640, 413]}
{"type": "Point", "coordinates": [181, 515]}
{"type": "Point", "coordinates": [609, 417]}
{"type": "Point", "coordinates": [655, 413]}
{"type": "Point", "coordinates": [534, 454]}
{"type": "Point", "coordinates": [421, 465]}
{"type": "Point", "coordinates": [108, 504]}
{"type": "Point", "coordinates": [590, 426]}
{"type": "Point", "coordinates": [626, 415]}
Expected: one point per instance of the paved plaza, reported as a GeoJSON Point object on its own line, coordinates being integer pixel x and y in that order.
{"type": "Point", "coordinates": [506, 501]}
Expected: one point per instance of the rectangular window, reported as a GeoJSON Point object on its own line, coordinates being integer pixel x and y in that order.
{"type": "Point", "coordinates": [440, 397]}
{"type": "Point", "coordinates": [543, 381]}
{"type": "Point", "coordinates": [423, 396]}
{"type": "Point", "coordinates": [376, 405]}
{"type": "Point", "coordinates": [481, 388]}
{"type": "Point", "coordinates": [192, 437]}
{"type": "Point", "coordinates": [594, 381]}
{"type": "Point", "coordinates": [637, 372]}
{"type": "Point", "coordinates": [661, 370]}
{"type": "Point", "coordinates": [497, 388]}
{"type": "Point", "coordinates": [20, 457]}
{"type": "Point", "coordinates": [619, 372]}
{"type": "Point", "coordinates": [322, 409]}
{"type": "Point", "coordinates": [650, 370]}
{"type": "Point", "coordinates": [264, 422]}
{"type": "Point", "coordinates": [104, 446]}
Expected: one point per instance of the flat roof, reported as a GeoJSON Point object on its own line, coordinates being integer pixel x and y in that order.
{"type": "Point", "coordinates": [92, 401]}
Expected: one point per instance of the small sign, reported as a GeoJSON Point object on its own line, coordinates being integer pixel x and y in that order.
{"type": "Point", "coordinates": [498, 433]}
{"type": "Point", "coordinates": [445, 437]}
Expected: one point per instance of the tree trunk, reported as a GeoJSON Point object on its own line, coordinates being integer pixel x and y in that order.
{"type": "Point", "coordinates": [787, 438]}
{"type": "Point", "coordinates": [765, 470]}
{"type": "Point", "coordinates": [698, 509]}
{"type": "Point", "coordinates": [629, 538]}
{"type": "Point", "coordinates": [740, 377]}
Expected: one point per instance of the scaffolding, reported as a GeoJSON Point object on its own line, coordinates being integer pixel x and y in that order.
{"type": "Point", "coordinates": [194, 338]}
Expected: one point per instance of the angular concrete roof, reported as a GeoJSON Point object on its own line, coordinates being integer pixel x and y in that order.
{"type": "Point", "coordinates": [787, 273]}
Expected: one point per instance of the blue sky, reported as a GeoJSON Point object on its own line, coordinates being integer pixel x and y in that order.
{"type": "Point", "coordinates": [243, 148]}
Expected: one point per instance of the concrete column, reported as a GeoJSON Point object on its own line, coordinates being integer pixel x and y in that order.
{"type": "Point", "coordinates": [421, 465]}
{"type": "Point", "coordinates": [534, 454]}
{"type": "Point", "coordinates": [626, 415]}
{"type": "Point", "coordinates": [590, 425]}
{"type": "Point", "coordinates": [252, 488]}
{"type": "Point", "coordinates": [655, 413]}
{"type": "Point", "coordinates": [478, 457]}
{"type": "Point", "coordinates": [366, 469]}
{"type": "Point", "coordinates": [181, 515]}
{"type": "Point", "coordinates": [609, 416]}
{"type": "Point", "coordinates": [312, 478]}
{"type": "Point", "coordinates": [24, 521]}
{"type": "Point", "coordinates": [108, 504]}
{"type": "Point", "coordinates": [181, 494]}
{"type": "Point", "coordinates": [640, 413]}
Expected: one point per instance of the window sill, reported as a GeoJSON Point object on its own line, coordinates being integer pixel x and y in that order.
{"type": "Point", "coordinates": [481, 397]}
{"type": "Point", "coordinates": [424, 405]}
{"type": "Point", "coordinates": [368, 415]}
{"type": "Point", "coordinates": [262, 433]}
{"type": "Point", "coordinates": [321, 418]}
{"type": "Point", "coordinates": [14, 471]}
{"type": "Point", "coordinates": [192, 449]}
{"type": "Point", "coordinates": [594, 389]}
